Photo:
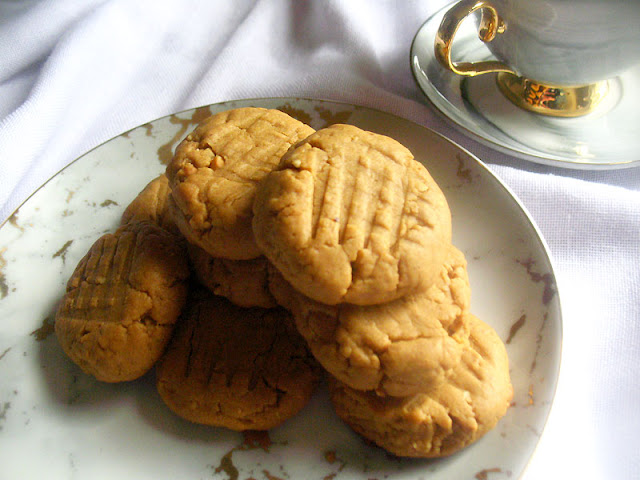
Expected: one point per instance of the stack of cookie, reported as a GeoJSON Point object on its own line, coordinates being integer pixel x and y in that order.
{"type": "Point", "coordinates": [313, 252]}
{"type": "Point", "coordinates": [358, 235]}
{"type": "Point", "coordinates": [236, 362]}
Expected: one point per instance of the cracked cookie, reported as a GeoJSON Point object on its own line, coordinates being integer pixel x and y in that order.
{"type": "Point", "coordinates": [398, 348]}
{"type": "Point", "coordinates": [239, 368]}
{"type": "Point", "coordinates": [214, 173]}
{"type": "Point", "coordinates": [350, 216]}
{"type": "Point", "coordinates": [122, 302]}
{"type": "Point", "coordinates": [151, 205]}
{"type": "Point", "coordinates": [449, 417]}
{"type": "Point", "coordinates": [243, 282]}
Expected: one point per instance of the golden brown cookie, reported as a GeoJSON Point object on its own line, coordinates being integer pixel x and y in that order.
{"type": "Point", "coordinates": [239, 368]}
{"type": "Point", "coordinates": [243, 282]}
{"type": "Point", "coordinates": [151, 205]}
{"type": "Point", "coordinates": [214, 173]}
{"type": "Point", "coordinates": [122, 302]}
{"type": "Point", "coordinates": [398, 348]}
{"type": "Point", "coordinates": [444, 420]}
{"type": "Point", "coordinates": [350, 216]}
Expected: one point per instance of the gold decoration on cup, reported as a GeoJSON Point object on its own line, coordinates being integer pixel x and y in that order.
{"type": "Point", "coordinates": [552, 100]}
{"type": "Point", "coordinates": [533, 96]}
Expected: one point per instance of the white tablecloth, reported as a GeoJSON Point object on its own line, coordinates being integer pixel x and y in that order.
{"type": "Point", "coordinates": [76, 73]}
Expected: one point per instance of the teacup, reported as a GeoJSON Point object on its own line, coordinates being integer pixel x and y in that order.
{"type": "Point", "coordinates": [554, 56]}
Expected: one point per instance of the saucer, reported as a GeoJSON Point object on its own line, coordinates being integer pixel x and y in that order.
{"type": "Point", "coordinates": [607, 138]}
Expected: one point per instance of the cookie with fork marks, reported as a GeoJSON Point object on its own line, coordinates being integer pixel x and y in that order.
{"type": "Point", "coordinates": [122, 302]}
{"type": "Point", "coordinates": [350, 216]}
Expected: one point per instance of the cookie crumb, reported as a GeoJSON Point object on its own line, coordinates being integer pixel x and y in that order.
{"type": "Point", "coordinates": [330, 456]}
{"type": "Point", "coordinates": [46, 329]}
{"type": "Point", "coordinates": [257, 439]}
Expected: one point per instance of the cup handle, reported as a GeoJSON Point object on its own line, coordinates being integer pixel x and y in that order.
{"type": "Point", "coordinates": [490, 25]}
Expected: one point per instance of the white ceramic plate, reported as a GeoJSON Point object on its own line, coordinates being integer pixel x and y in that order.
{"type": "Point", "coordinates": [56, 422]}
{"type": "Point", "coordinates": [605, 139]}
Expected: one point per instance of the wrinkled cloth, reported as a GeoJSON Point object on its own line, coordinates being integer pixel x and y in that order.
{"type": "Point", "coordinates": [75, 73]}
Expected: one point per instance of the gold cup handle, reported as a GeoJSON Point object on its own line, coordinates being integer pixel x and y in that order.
{"type": "Point", "coordinates": [490, 25]}
{"type": "Point", "coordinates": [533, 96]}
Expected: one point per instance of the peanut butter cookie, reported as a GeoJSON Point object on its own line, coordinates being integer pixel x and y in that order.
{"type": "Point", "coordinates": [122, 302]}
{"type": "Point", "coordinates": [244, 282]}
{"type": "Point", "coordinates": [151, 205]}
{"type": "Point", "coordinates": [214, 173]}
{"type": "Point", "coordinates": [398, 348]}
{"type": "Point", "coordinates": [350, 216]}
{"type": "Point", "coordinates": [239, 368]}
{"type": "Point", "coordinates": [449, 417]}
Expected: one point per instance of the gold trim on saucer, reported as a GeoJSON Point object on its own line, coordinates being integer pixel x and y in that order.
{"type": "Point", "coordinates": [552, 100]}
